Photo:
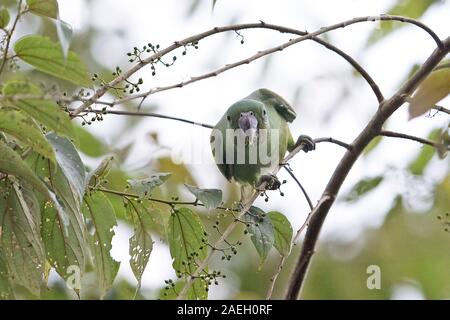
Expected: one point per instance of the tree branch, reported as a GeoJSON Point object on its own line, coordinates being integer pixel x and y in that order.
{"type": "Point", "coordinates": [442, 109]}
{"type": "Point", "coordinates": [392, 134]}
{"type": "Point", "coordinates": [150, 114]}
{"type": "Point", "coordinates": [262, 25]}
{"type": "Point", "coordinates": [9, 36]}
{"type": "Point", "coordinates": [372, 129]}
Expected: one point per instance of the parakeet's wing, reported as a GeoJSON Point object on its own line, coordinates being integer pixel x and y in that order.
{"type": "Point", "coordinates": [269, 97]}
{"type": "Point", "coordinates": [224, 168]}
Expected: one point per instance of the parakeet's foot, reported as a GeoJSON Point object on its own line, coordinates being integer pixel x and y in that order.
{"type": "Point", "coordinates": [307, 142]}
{"type": "Point", "coordinates": [272, 182]}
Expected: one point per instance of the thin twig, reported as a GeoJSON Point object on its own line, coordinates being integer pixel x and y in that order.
{"type": "Point", "coordinates": [150, 114]}
{"type": "Point", "coordinates": [9, 36]}
{"type": "Point", "coordinates": [442, 109]}
{"type": "Point", "coordinates": [392, 134]}
{"type": "Point", "coordinates": [125, 75]}
{"type": "Point", "coordinates": [308, 199]}
{"type": "Point", "coordinates": [167, 202]}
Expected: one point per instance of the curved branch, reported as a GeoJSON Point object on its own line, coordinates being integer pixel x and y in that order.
{"type": "Point", "coordinates": [262, 25]}
{"type": "Point", "coordinates": [393, 134]}
{"type": "Point", "coordinates": [150, 114]}
{"type": "Point", "coordinates": [372, 129]}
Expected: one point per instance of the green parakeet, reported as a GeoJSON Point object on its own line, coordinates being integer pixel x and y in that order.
{"type": "Point", "coordinates": [252, 137]}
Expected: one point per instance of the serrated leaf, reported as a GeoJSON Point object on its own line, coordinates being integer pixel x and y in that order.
{"type": "Point", "coordinates": [261, 231]}
{"type": "Point", "coordinates": [46, 8]}
{"type": "Point", "coordinates": [25, 130]}
{"type": "Point", "coordinates": [408, 8]}
{"type": "Point", "coordinates": [185, 236]}
{"type": "Point", "coordinates": [362, 187]}
{"type": "Point", "coordinates": [48, 57]}
{"type": "Point", "coordinates": [20, 238]}
{"type": "Point", "coordinates": [98, 208]}
{"type": "Point", "coordinates": [4, 17]}
{"type": "Point", "coordinates": [432, 90]}
{"type": "Point", "coordinates": [88, 143]}
{"type": "Point", "coordinates": [46, 112]}
{"type": "Point", "coordinates": [211, 198]}
{"type": "Point", "coordinates": [282, 231]}
{"type": "Point", "coordinates": [64, 230]}
{"type": "Point", "coordinates": [144, 187]}
{"type": "Point", "coordinates": [141, 243]}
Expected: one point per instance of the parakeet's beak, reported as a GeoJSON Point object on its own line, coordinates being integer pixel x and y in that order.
{"type": "Point", "coordinates": [248, 121]}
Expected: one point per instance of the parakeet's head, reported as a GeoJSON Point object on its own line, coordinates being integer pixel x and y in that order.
{"type": "Point", "coordinates": [247, 115]}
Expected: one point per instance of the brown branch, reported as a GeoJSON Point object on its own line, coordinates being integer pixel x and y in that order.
{"type": "Point", "coordinates": [372, 129]}
{"type": "Point", "coordinates": [262, 25]}
{"type": "Point", "coordinates": [308, 199]}
{"type": "Point", "coordinates": [150, 114]}
{"type": "Point", "coordinates": [9, 36]}
{"type": "Point", "coordinates": [392, 134]}
{"type": "Point", "coordinates": [442, 109]}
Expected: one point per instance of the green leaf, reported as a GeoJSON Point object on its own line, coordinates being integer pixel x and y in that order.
{"type": "Point", "coordinates": [6, 291]}
{"type": "Point", "coordinates": [185, 236]}
{"type": "Point", "coordinates": [46, 8]}
{"type": "Point", "coordinates": [11, 163]}
{"type": "Point", "coordinates": [70, 163]}
{"type": "Point", "coordinates": [25, 130]}
{"type": "Point", "coordinates": [48, 57]}
{"type": "Point", "coordinates": [95, 177]}
{"type": "Point", "coordinates": [46, 112]}
{"type": "Point", "coordinates": [418, 165]}
{"type": "Point", "coordinates": [64, 231]}
{"type": "Point", "coordinates": [144, 187]}
{"type": "Point", "coordinates": [261, 231]}
{"type": "Point", "coordinates": [141, 243]}
{"type": "Point", "coordinates": [100, 211]}
{"type": "Point", "coordinates": [20, 238]}
{"type": "Point", "coordinates": [88, 143]}
{"type": "Point", "coordinates": [211, 198]}
{"type": "Point", "coordinates": [408, 8]}
{"type": "Point", "coordinates": [282, 231]}
{"type": "Point", "coordinates": [362, 187]}
{"type": "Point", "coordinates": [432, 90]}
{"type": "Point", "coordinates": [4, 17]}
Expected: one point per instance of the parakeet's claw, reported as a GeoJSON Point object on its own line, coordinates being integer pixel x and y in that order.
{"type": "Point", "coordinates": [306, 142]}
{"type": "Point", "coordinates": [272, 182]}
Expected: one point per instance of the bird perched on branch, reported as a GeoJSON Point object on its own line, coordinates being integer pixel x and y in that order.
{"type": "Point", "coordinates": [252, 138]}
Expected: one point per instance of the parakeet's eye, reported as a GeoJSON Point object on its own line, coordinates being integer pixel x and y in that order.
{"type": "Point", "coordinates": [264, 112]}
{"type": "Point", "coordinates": [228, 118]}
{"type": "Point", "coordinates": [251, 113]}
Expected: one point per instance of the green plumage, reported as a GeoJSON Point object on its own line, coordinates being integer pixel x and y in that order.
{"type": "Point", "coordinates": [271, 112]}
